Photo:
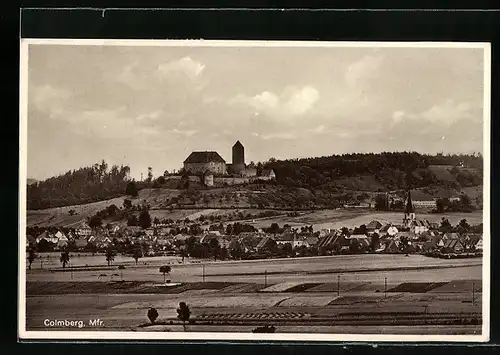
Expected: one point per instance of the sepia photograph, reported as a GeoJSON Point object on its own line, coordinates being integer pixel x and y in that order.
{"type": "Point", "coordinates": [254, 190]}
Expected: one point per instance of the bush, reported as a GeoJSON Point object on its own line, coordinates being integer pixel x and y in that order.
{"type": "Point", "coordinates": [265, 329]}
{"type": "Point", "coordinates": [152, 314]}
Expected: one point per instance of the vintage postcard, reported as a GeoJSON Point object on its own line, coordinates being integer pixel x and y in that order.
{"type": "Point", "coordinates": [251, 190]}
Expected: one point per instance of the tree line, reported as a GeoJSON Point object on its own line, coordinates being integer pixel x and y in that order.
{"type": "Point", "coordinates": [395, 170]}
{"type": "Point", "coordinates": [84, 185]}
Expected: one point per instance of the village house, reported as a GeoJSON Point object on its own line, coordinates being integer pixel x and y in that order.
{"type": "Point", "coordinates": [421, 199]}
{"type": "Point", "coordinates": [392, 246]}
{"type": "Point", "coordinates": [268, 174]}
{"type": "Point", "coordinates": [300, 241]}
{"type": "Point", "coordinates": [418, 226]}
{"type": "Point", "coordinates": [312, 240]}
{"type": "Point", "coordinates": [80, 244]}
{"type": "Point", "coordinates": [472, 242]}
{"type": "Point", "coordinates": [373, 226]}
{"type": "Point", "coordinates": [83, 230]}
{"type": "Point", "coordinates": [327, 241]}
{"type": "Point", "coordinates": [285, 238]}
{"type": "Point", "coordinates": [263, 242]}
{"type": "Point", "coordinates": [389, 229]}
{"type": "Point", "coordinates": [48, 237]}
{"type": "Point", "coordinates": [453, 245]}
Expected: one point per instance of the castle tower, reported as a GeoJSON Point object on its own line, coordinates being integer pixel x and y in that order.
{"type": "Point", "coordinates": [238, 166]}
{"type": "Point", "coordinates": [409, 212]}
{"type": "Point", "coordinates": [238, 153]}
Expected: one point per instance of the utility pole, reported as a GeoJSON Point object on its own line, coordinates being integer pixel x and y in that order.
{"type": "Point", "coordinates": [473, 301]}
{"type": "Point", "coordinates": [385, 286]}
{"type": "Point", "coordinates": [338, 285]}
{"type": "Point", "coordinates": [265, 278]}
{"type": "Point", "coordinates": [203, 272]}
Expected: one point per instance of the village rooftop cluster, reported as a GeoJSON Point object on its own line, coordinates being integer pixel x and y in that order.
{"type": "Point", "coordinates": [186, 238]}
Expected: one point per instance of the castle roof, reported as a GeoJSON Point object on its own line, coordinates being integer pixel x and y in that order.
{"type": "Point", "coordinates": [204, 157]}
{"type": "Point", "coordinates": [238, 144]}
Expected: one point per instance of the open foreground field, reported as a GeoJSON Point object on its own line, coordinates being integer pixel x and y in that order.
{"type": "Point", "coordinates": [376, 294]}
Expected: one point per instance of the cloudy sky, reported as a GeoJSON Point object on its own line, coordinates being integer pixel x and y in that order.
{"type": "Point", "coordinates": [152, 106]}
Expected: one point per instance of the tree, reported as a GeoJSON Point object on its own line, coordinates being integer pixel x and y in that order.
{"type": "Point", "coordinates": [45, 246]}
{"type": "Point", "coordinates": [144, 219]}
{"type": "Point", "coordinates": [150, 174]}
{"type": "Point", "coordinates": [31, 257]}
{"type": "Point", "coordinates": [404, 244]}
{"type": "Point", "coordinates": [214, 247]}
{"type": "Point", "coordinates": [132, 221]}
{"type": "Point", "coordinates": [160, 181]}
{"type": "Point", "coordinates": [137, 253]}
{"type": "Point", "coordinates": [64, 259]}
{"type": "Point", "coordinates": [152, 315]}
{"type": "Point", "coordinates": [344, 231]}
{"type": "Point", "coordinates": [465, 201]}
{"type": "Point", "coordinates": [463, 223]}
{"type": "Point", "coordinates": [95, 222]}
{"type": "Point", "coordinates": [110, 254]}
{"type": "Point", "coordinates": [183, 313]}
{"type": "Point", "coordinates": [236, 251]}
{"type": "Point", "coordinates": [445, 225]}
{"type": "Point", "coordinates": [131, 189]}
{"type": "Point", "coordinates": [374, 242]}
{"type": "Point", "coordinates": [190, 245]}
{"type": "Point", "coordinates": [127, 203]}
{"type": "Point", "coordinates": [355, 246]}
{"type": "Point", "coordinates": [72, 212]}
{"type": "Point", "coordinates": [264, 329]}
{"type": "Point", "coordinates": [381, 203]}
{"type": "Point", "coordinates": [441, 205]}
{"type": "Point", "coordinates": [165, 269]}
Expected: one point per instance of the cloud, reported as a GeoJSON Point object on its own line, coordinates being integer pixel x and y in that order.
{"type": "Point", "coordinates": [302, 101]}
{"type": "Point", "coordinates": [293, 101]}
{"type": "Point", "coordinates": [185, 65]}
{"type": "Point", "coordinates": [449, 112]}
{"type": "Point", "coordinates": [398, 116]}
{"type": "Point", "coordinates": [363, 69]}
{"type": "Point", "coordinates": [282, 135]}
{"type": "Point", "coordinates": [187, 133]}
{"type": "Point", "coordinates": [321, 129]}
{"type": "Point", "coordinates": [151, 116]}
{"type": "Point", "coordinates": [445, 113]}
{"type": "Point", "coordinates": [48, 98]}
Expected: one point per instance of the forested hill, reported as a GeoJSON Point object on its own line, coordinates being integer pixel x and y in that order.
{"type": "Point", "coordinates": [392, 170]}
{"type": "Point", "coordinates": [361, 172]}
{"type": "Point", "coordinates": [88, 184]}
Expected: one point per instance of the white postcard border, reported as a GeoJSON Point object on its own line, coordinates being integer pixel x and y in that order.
{"type": "Point", "coordinates": [218, 336]}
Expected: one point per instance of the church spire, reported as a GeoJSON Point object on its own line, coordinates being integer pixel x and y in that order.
{"type": "Point", "coordinates": [409, 205]}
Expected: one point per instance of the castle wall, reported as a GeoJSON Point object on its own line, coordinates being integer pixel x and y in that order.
{"type": "Point", "coordinates": [231, 180]}
{"type": "Point", "coordinates": [199, 168]}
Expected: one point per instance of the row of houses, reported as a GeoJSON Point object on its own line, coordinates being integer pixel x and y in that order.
{"type": "Point", "coordinates": [376, 238]}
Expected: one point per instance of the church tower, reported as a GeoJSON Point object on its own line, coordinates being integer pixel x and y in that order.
{"type": "Point", "coordinates": [238, 158]}
{"type": "Point", "coordinates": [409, 212]}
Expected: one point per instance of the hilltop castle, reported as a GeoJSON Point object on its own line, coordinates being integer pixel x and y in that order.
{"type": "Point", "coordinates": [211, 162]}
